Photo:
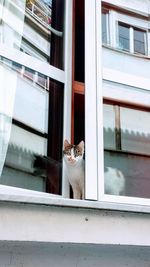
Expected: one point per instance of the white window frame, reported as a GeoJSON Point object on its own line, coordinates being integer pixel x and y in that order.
{"type": "Point", "coordinates": [133, 22]}
{"type": "Point", "coordinates": [93, 111]}
{"type": "Point", "coordinates": [131, 39]}
{"type": "Point", "coordinates": [127, 202]}
{"type": "Point", "coordinates": [57, 74]}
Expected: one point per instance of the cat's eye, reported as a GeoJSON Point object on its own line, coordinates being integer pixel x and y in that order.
{"type": "Point", "coordinates": [68, 153]}
{"type": "Point", "coordinates": [77, 152]}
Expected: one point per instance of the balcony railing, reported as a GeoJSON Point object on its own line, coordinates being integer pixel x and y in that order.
{"type": "Point", "coordinates": [42, 13]}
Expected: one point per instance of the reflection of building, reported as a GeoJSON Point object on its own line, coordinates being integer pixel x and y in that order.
{"type": "Point", "coordinates": [38, 226]}
{"type": "Point", "coordinates": [29, 113]}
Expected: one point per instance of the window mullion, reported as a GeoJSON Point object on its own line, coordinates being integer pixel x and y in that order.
{"type": "Point", "coordinates": [131, 40]}
{"type": "Point", "coordinates": [117, 127]}
{"type": "Point", "coordinates": [91, 175]}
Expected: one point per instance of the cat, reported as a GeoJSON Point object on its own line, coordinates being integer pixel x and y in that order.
{"type": "Point", "coordinates": [114, 180]}
{"type": "Point", "coordinates": [73, 159]}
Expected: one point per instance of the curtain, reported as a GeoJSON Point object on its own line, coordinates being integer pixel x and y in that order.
{"type": "Point", "coordinates": [12, 14]}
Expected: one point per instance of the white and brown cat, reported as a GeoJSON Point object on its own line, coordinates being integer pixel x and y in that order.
{"type": "Point", "coordinates": [73, 158]}
{"type": "Point", "coordinates": [75, 170]}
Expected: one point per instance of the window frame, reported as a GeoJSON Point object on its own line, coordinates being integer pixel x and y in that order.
{"type": "Point", "coordinates": [116, 15]}
{"type": "Point", "coordinates": [131, 38]}
{"type": "Point", "coordinates": [93, 98]}
{"type": "Point", "coordinates": [63, 76]}
{"type": "Point", "coordinates": [97, 129]}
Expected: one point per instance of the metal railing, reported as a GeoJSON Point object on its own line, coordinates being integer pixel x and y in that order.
{"type": "Point", "coordinates": [42, 13]}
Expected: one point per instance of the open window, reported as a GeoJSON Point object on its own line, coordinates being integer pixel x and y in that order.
{"type": "Point", "coordinates": [33, 67]}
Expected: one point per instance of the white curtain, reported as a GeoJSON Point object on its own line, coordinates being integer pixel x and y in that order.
{"type": "Point", "coordinates": [12, 13]}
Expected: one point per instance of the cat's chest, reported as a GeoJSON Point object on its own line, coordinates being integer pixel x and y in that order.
{"type": "Point", "coordinates": [75, 173]}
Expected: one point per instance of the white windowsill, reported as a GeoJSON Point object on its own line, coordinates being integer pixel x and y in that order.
{"type": "Point", "coordinates": [13, 194]}
{"type": "Point", "coordinates": [125, 52]}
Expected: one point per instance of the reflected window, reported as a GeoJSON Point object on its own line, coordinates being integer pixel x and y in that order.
{"type": "Point", "coordinates": [43, 81]}
{"type": "Point", "coordinates": [124, 42]}
{"type": "Point", "coordinates": [35, 27]}
{"type": "Point", "coordinates": [28, 73]}
{"type": "Point", "coordinates": [132, 39]}
{"type": "Point", "coordinates": [105, 26]}
{"type": "Point", "coordinates": [139, 41]}
{"type": "Point", "coordinates": [127, 162]}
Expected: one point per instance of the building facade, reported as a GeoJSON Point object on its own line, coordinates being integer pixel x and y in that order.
{"type": "Point", "coordinates": [76, 70]}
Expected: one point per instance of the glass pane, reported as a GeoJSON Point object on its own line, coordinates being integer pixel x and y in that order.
{"type": "Point", "coordinates": [127, 174]}
{"type": "Point", "coordinates": [124, 43]}
{"type": "Point", "coordinates": [31, 127]}
{"type": "Point", "coordinates": [35, 27]}
{"type": "Point", "coordinates": [43, 81]}
{"type": "Point", "coordinates": [109, 126]}
{"type": "Point", "coordinates": [104, 27]}
{"type": "Point", "coordinates": [139, 41]}
{"type": "Point", "coordinates": [135, 130]}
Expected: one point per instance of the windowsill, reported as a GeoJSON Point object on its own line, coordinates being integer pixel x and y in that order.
{"type": "Point", "coordinates": [125, 52]}
{"type": "Point", "coordinates": [17, 195]}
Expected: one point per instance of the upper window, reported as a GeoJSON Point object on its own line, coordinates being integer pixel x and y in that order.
{"type": "Point", "coordinates": [105, 26]}
{"type": "Point", "coordinates": [132, 39]}
{"type": "Point", "coordinates": [124, 36]}
{"type": "Point", "coordinates": [140, 41]}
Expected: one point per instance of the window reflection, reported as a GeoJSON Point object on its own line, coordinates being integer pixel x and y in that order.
{"type": "Point", "coordinates": [34, 27]}
{"type": "Point", "coordinates": [139, 41]}
{"type": "Point", "coordinates": [124, 37]}
{"type": "Point", "coordinates": [31, 132]}
{"type": "Point", "coordinates": [105, 26]}
{"type": "Point", "coordinates": [127, 167]}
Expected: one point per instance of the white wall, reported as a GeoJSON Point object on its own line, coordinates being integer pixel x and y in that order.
{"type": "Point", "coordinates": [125, 68]}
{"type": "Point", "coordinates": [65, 255]}
{"type": "Point", "coordinates": [24, 222]}
{"type": "Point", "coordinates": [142, 6]}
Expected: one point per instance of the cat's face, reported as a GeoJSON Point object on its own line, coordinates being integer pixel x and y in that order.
{"type": "Point", "coordinates": [73, 154]}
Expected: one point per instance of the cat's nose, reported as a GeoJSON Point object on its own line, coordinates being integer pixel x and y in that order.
{"type": "Point", "coordinates": [71, 160]}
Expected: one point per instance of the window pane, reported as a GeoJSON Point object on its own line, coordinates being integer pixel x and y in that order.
{"type": "Point", "coordinates": [139, 41]}
{"type": "Point", "coordinates": [104, 26]}
{"type": "Point", "coordinates": [31, 127]}
{"type": "Point", "coordinates": [127, 174]}
{"type": "Point", "coordinates": [124, 43]}
{"type": "Point", "coordinates": [109, 126]}
{"type": "Point", "coordinates": [135, 130]}
{"type": "Point", "coordinates": [35, 27]}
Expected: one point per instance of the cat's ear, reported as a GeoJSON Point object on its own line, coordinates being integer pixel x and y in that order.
{"type": "Point", "coordinates": [66, 143]}
{"type": "Point", "coordinates": [81, 145]}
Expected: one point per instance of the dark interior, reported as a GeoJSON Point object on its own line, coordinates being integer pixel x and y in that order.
{"type": "Point", "coordinates": [79, 40]}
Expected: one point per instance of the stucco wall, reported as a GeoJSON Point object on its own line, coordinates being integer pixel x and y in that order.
{"type": "Point", "coordinates": [60, 255]}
